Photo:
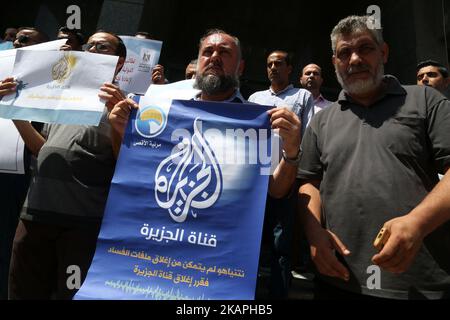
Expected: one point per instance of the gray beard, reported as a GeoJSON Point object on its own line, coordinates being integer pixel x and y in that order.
{"type": "Point", "coordinates": [212, 85]}
{"type": "Point", "coordinates": [362, 87]}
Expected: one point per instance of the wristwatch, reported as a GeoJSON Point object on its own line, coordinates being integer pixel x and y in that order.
{"type": "Point", "coordinates": [294, 161]}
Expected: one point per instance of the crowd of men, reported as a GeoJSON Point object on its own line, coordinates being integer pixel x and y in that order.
{"type": "Point", "coordinates": [369, 161]}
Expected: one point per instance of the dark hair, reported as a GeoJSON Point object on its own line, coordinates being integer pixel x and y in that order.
{"type": "Point", "coordinates": [121, 50]}
{"type": "Point", "coordinates": [288, 57]}
{"type": "Point", "coordinates": [76, 32]}
{"type": "Point", "coordinates": [442, 69]}
{"type": "Point", "coordinates": [352, 25]}
{"type": "Point", "coordinates": [43, 37]}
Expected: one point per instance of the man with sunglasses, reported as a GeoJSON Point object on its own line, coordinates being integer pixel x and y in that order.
{"type": "Point", "coordinates": [28, 36]}
{"type": "Point", "coordinates": [219, 66]}
{"type": "Point", "coordinates": [62, 214]}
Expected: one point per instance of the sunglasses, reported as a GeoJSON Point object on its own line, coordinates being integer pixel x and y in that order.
{"type": "Point", "coordinates": [23, 39]}
{"type": "Point", "coordinates": [99, 47]}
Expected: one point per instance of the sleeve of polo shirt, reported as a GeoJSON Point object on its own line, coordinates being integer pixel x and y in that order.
{"type": "Point", "coordinates": [310, 167]}
{"type": "Point", "coordinates": [438, 116]}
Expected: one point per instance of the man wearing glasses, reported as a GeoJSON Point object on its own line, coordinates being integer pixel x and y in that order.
{"type": "Point", "coordinates": [62, 214]}
{"type": "Point", "coordinates": [28, 36]}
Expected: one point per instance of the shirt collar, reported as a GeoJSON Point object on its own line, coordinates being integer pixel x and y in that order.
{"type": "Point", "coordinates": [289, 87]}
{"type": "Point", "coordinates": [392, 88]}
{"type": "Point", "coordinates": [320, 98]}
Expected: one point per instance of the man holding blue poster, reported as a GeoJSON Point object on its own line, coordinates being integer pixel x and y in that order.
{"type": "Point", "coordinates": [186, 207]}
{"type": "Point", "coordinates": [219, 66]}
{"type": "Point", "coordinates": [55, 240]}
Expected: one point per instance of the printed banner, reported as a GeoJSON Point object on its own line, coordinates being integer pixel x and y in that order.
{"type": "Point", "coordinates": [142, 56]}
{"type": "Point", "coordinates": [185, 211]}
{"type": "Point", "coordinates": [58, 87]}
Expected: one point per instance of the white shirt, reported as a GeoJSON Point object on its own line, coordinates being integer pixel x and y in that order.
{"type": "Point", "coordinates": [321, 103]}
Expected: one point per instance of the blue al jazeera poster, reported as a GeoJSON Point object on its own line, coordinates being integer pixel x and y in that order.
{"type": "Point", "coordinates": [186, 207]}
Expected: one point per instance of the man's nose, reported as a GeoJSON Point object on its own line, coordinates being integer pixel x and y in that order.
{"type": "Point", "coordinates": [215, 54]}
{"type": "Point", "coordinates": [355, 58]}
{"type": "Point", "coordinates": [425, 79]}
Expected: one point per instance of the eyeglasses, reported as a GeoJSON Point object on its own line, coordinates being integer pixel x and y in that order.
{"type": "Point", "coordinates": [102, 47]}
{"type": "Point", "coordinates": [23, 39]}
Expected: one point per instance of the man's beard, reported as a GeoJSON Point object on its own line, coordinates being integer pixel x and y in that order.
{"type": "Point", "coordinates": [212, 84]}
{"type": "Point", "coordinates": [360, 86]}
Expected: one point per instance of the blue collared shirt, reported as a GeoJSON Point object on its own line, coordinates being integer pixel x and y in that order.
{"type": "Point", "coordinates": [300, 100]}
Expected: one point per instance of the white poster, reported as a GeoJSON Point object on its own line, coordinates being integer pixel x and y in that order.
{"type": "Point", "coordinates": [58, 87]}
{"type": "Point", "coordinates": [11, 148]}
{"type": "Point", "coordinates": [7, 57]}
{"type": "Point", "coordinates": [11, 144]}
{"type": "Point", "coordinates": [181, 90]}
{"type": "Point", "coordinates": [142, 56]}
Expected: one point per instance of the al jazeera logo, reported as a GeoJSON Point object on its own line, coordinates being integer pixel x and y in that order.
{"type": "Point", "coordinates": [63, 68]}
{"type": "Point", "coordinates": [150, 121]}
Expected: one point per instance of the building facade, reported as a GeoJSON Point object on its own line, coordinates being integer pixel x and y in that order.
{"type": "Point", "coordinates": [415, 30]}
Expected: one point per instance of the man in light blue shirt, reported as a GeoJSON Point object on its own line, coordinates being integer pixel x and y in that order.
{"type": "Point", "coordinates": [281, 93]}
{"type": "Point", "coordinates": [277, 235]}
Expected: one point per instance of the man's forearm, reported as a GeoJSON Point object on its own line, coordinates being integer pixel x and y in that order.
{"type": "Point", "coordinates": [310, 208]}
{"type": "Point", "coordinates": [434, 210]}
{"type": "Point", "coordinates": [282, 180]}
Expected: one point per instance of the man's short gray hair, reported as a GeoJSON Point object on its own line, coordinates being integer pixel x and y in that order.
{"type": "Point", "coordinates": [219, 31]}
{"type": "Point", "coordinates": [352, 25]}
